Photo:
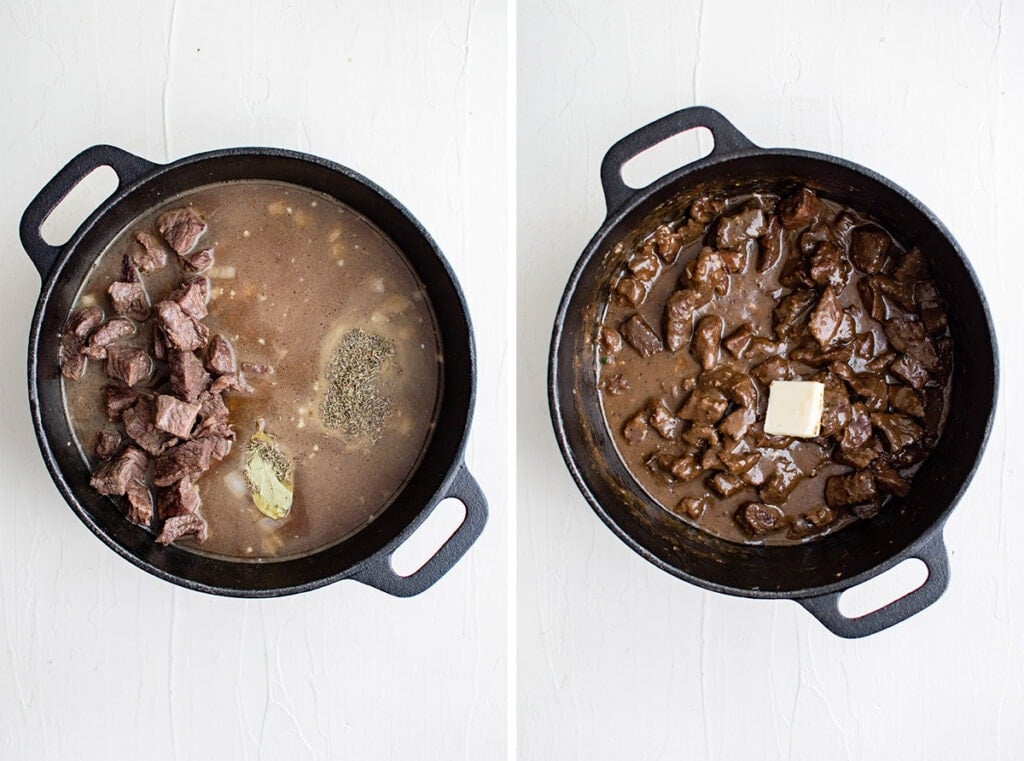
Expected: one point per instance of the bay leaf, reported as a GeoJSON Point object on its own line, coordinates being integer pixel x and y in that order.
{"type": "Point", "coordinates": [268, 475]}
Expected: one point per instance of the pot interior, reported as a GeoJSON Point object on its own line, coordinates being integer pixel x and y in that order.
{"type": "Point", "coordinates": [239, 577]}
{"type": "Point", "coordinates": [835, 560]}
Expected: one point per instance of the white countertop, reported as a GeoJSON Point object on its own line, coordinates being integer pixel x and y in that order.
{"type": "Point", "coordinates": [100, 660]}
{"type": "Point", "coordinates": [618, 660]}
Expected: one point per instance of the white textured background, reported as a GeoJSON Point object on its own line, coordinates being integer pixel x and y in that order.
{"type": "Point", "coordinates": [618, 660]}
{"type": "Point", "coordinates": [98, 660]}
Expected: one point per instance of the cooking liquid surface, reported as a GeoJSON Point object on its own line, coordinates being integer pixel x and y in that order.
{"type": "Point", "coordinates": [294, 271]}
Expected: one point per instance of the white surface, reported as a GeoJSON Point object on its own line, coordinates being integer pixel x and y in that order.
{"type": "Point", "coordinates": [618, 660]}
{"type": "Point", "coordinates": [98, 660]}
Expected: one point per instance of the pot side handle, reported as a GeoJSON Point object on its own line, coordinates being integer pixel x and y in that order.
{"type": "Point", "coordinates": [379, 572]}
{"type": "Point", "coordinates": [727, 139]}
{"type": "Point", "coordinates": [932, 553]}
{"type": "Point", "coordinates": [128, 168]}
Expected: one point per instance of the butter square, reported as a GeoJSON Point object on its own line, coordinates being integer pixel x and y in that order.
{"type": "Point", "coordinates": [794, 408]}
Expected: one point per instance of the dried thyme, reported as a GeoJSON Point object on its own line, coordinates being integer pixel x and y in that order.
{"type": "Point", "coordinates": [352, 403]}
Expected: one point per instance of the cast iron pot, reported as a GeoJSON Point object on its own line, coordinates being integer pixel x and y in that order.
{"type": "Point", "coordinates": [366, 555]}
{"type": "Point", "coordinates": [813, 574]}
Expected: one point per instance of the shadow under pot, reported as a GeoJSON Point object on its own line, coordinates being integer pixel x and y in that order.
{"type": "Point", "coordinates": [354, 399]}
{"type": "Point", "coordinates": [816, 572]}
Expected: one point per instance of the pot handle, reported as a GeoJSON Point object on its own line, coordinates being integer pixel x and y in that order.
{"type": "Point", "coordinates": [727, 139]}
{"type": "Point", "coordinates": [379, 572]}
{"type": "Point", "coordinates": [128, 167]}
{"type": "Point", "coordinates": [932, 553]}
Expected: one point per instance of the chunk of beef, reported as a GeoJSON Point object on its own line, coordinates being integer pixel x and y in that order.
{"type": "Point", "coordinates": [800, 209]}
{"type": "Point", "coordinates": [909, 337]}
{"type": "Point", "coordinates": [738, 422]}
{"type": "Point", "coordinates": [872, 389]}
{"type": "Point", "coordinates": [826, 319]}
{"type": "Point", "coordinates": [907, 400]}
{"type": "Point", "coordinates": [191, 458]}
{"type": "Point", "coordinates": [770, 245]}
{"type": "Point", "coordinates": [699, 434]}
{"type": "Point", "coordinates": [188, 377]}
{"type": "Point", "coordinates": [705, 405]}
{"type": "Point", "coordinates": [738, 463]}
{"type": "Point", "coordinates": [184, 525]}
{"type": "Point", "coordinates": [772, 369]}
{"type": "Point", "coordinates": [864, 345]}
{"type": "Point", "coordinates": [707, 337]}
{"type": "Point", "coordinates": [106, 444]}
{"type": "Point", "coordinates": [725, 484]}
{"type": "Point", "coordinates": [83, 322]}
{"type": "Point", "coordinates": [181, 228]}
{"type": "Point", "coordinates": [900, 294]}
{"type": "Point", "coordinates": [175, 416]}
{"type": "Point", "coordinates": [857, 431]}
{"type": "Point", "coordinates": [737, 342]}
{"type": "Point", "coordinates": [639, 334]}
{"type": "Point", "coordinates": [140, 503]}
{"type": "Point", "coordinates": [872, 299]}
{"type": "Point", "coordinates": [790, 312]}
{"type": "Point", "coordinates": [645, 266]}
{"type": "Point", "coordinates": [738, 387]}
{"type": "Point", "coordinates": [930, 308]}
{"type": "Point", "coordinates": [180, 498]}
{"type": "Point", "coordinates": [139, 425]}
{"type": "Point", "coordinates": [828, 265]}
{"type": "Point", "coordinates": [192, 295]}
{"type": "Point", "coordinates": [666, 243]}
{"type": "Point", "coordinates": [128, 364]}
{"type": "Point", "coordinates": [811, 522]}
{"type": "Point", "coordinates": [685, 468]}
{"type": "Point", "coordinates": [910, 371]}
{"type": "Point", "coordinates": [705, 209]}
{"type": "Point", "coordinates": [759, 520]}
{"type": "Point", "coordinates": [231, 382]}
{"type": "Point", "coordinates": [869, 249]}
{"type": "Point", "coordinates": [630, 291]}
{"type": "Point", "coordinates": [78, 328]}
{"type": "Point", "coordinates": [913, 267]}
{"type": "Point", "coordinates": [835, 414]}
{"type": "Point", "coordinates": [106, 334]}
{"type": "Point", "coordinates": [855, 488]}
{"type": "Point", "coordinates": [129, 300]}
{"type": "Point", "coordinates": [221, 435]}
{"type": "Point", "coordinates": [796, 274]}
{"type": "Point", "coordinates": [737, 227]}
{"type": "Point", "coordinates": [118, 398]}
{"type": "Point", "coordinates": [692, 507]}
{"type": "Point", "coordinates": [664, 422]}
{"type": "Point", "coordinates": [182, 331]}
{"type": "Point", "coordinates": [736, 260]}
{"type": "Point", "coordinates": [782, 482]}
{"type": "Point", "coordinates": [761, 349]}
{"type": "Point", "coordinates": [679, 317]}
{"type": "Point", "coordinates": [635, 429]}
{"type": "Point", "coordinates": [147, 254]}
{"type": "Point", "coordinates": [707, 273]}
{"type": "Point", "coordinates": [220, 357]}
{"type": "Point", "coordinates": [200, 261]}
{"type": "Point", "coordinates": [899, 430]}
{"type": "Point", "coordinates": [881, 363]}
{"type": "Point", "coordinates": [860, 457]}
{"type": "Point", "coordinates": [212, 411]}
{"type": "Point", "coordinates": [112, 477]}
{"type": "Point", "coordinates": [892, 482]}
{"type": "Point", "coordinates": [615, 384]}
{"type": "Point", "coordinates": [159, 344]}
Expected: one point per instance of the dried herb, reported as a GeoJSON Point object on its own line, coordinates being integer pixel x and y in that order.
{"type": "Point", "coordinates": [352, 402]}
{"type": "Point", "coordinates": [268, 473]}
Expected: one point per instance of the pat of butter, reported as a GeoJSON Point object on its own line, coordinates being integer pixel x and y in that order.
{"type": "Point", "coordinates": [794, 408]}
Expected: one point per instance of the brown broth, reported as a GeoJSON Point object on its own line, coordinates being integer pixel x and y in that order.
{"type": "Point", "coordinates": [294, 271]}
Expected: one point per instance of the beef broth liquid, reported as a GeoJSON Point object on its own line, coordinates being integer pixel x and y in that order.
{"type": "Point", "coordinates": [294, 272]}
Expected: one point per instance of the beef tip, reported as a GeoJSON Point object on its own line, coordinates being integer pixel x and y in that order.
{"type": "Point", "coordinates": [771, 246]}
{"type": "Point", "coordinates": [147, 254]}
{"type": "Point", "coordinates": [664, 422]}
{"type": "Point", "coordinates": [200, 261]}
{"type": "Point", "coordinates": [705, 405]}
{"type": "Point", "coordinates": [789, 313]}
{"type": "Point", "coordinates": [907, 400]}
{"type": "Point", "coordinates": [692, 507]}
{"type": "Point", "coordinates": [630, 291]}
{"type": "Point", "coordinates": [899, 430]}
{"type": "Point", "coordinates": [188, 377]}
{"type": "Point", "coordinates": [872, 389]}
{"type": "Point", "coordinates": [140, 503]}
{"type": "Point", "coordinates": [761, 349]}
{"type": "Point", "coordinates": [860, 457]}
{"type": "Point", "coordinates": [72, 361]}
{"type": "Point", "coordinates": [912, 268]}
{"type": "Point", "coordinates": [212, 411]}
{"type": "Point", "coordinates": [829, 266]}
{"type": "Point", "coordinates": [781, 483]}
{"type": "Point", "coordinates": [881, 363]}
{"type": "Point", "coordinates": [905, 458]}
{"type": "Point", "coordinates": [835, 414]}
{"type": "Point", "coordinates": [736, 228]}
{"type": "Point", "coordinates": [182, 331]}
{"type": "Point", "coordinates": [855, 488]}
{"type": "Point", "coordinates": [231, 382]}
{"type": "Point", "coordinates": [112, 477]}
{"type": "Point", "coordinates": [175, 416]}
{"type": "Point", "coordinates": [705, 209]}
{"type": "Point", "coordinates": [180, 498]}
{"type": "Point", "coordinates": [181, 228]}
{"type": "Point", "coordinates": [800, 209]}
{"type": "Point", "coordinates": [811, 522]}
{"type": "Point", "coordinates": [872, 299]}
{"type": "Point", "coordinates": [685, 468]}
{"type": "Point", "coordinates": [929, 306]}
{"type": "Point", "coordinates": [221, 358]}
{"type": "Point", "coordinates": [698, 434]}
{"type": "Point", "coordinates": [118, 398]}
{"type": "Point", "coordinates": [737, 343]}
{"type": "Point", "coordinates": [707, 273]}
{"type": "Point", "coordinates": [222, 437]}
{"type": "Point", "coordinates": [615, 384]}
{"type": "Point", "coordinates": [758, 519]}
{"type": "Point", "coordinates": [726, 484]}
{"type": "Point", "coordinates": [892, 482]}
{"type": "Point", "coordinates": [900, 294]}
{"type": "Point", "coordinates": [159, 344]}
{"type": "Point", "coordinates": [737, 386]}
{"type": "Point", "coordinates": [667, 243]}
{"type": "Point", "coordinates": [910, 370]}
{"type": "Point", "coordinates": [635, 429]}
{"type": "Point", "coordinates": [641, 336]}
{"type": "Point", "coordinates": [737, 423]}
{"type": "Point", "coordinates": [796, 274]}
{"type": "Point", "coordinates": [192, 296]}
{"type": "Point", "coordinates": [706, 339]}
{"type": "Point", "coordinates": [738, 464]}
{"type": "Point", "coordinates": [191, 458]}
{"type": "Point", "coordinates": [679, 317]}
{"type": "Point", "coordinates": [644, 266]}
{"type": "Point", "coordinates": [139, 426]}
{"type": "Point", "coordinates": [83, 322]}
{"type": "Point", "coordinates": [129, 300]}
{"type": "Point", "coordinates": [858, 431]}
{"type": "Point", "coordinates": [869, 249]}
{"type": "Point", "coordinates": [183, 525]}
{"type": "Point", "coordinates": [864, 345]}
{"type": "Point", "coordinates": [909, 337]}
{"type": "Point", "coordinates": [825, 319]}
{"type": "Point", "coordinates": [128, 364]}
{"type": "Point", "coordinates": [105, 335]}
{"type": "Point", "coordinates": [773, 368]}
{"type": "Point", "coordinates": [106, 444]}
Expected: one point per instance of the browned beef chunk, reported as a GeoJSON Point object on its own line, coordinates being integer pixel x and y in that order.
{"type": "Point", "coordinates": [911, 455]}
{"type": "Point", "coordinates": [796, 274]}
{"type": "Point", "coordinates": [907, 400]}
{"type": "Point", "coordinates": [900, 294]}
{"type": "Point", "coordinates": [909, 337]}
{"type": "Point", "coordinates": [685, 468]}
{"type": "Point", "coordinates": [737, 343]}
{"type": "Point", "coordinates": [692, 507]}
{"type": "Point", "coordinates": [78, 328]}
{"type": "Point", "coordinates": [829, 265]}
{"type": "Point", "coordinates": [183, 525]}
{"type": "Point", "coordinates": [140, 503]}
{"type": "Point", "coordinates": [615, 384]}
{"type": "Point", "coordinates": [860, 457]}
{"type": "Point", "coordinates": [800, 209]}
{"type": "Point", "coordinates": [899, 430]}
{"type": "Point", "coordinates": [191, 458]}
{"type": "Point", "coordinates": [181, 228]}
{"type": "Point", "coordinates": [759, 520]}
{"type": "Point", "coordinates": [910, 370]}
{"type": "Point", "coordinates": [705, 405]}
{"type": "Point", "coordinates": [781, 483]}
{"type": "Point", "coordinates": [857, 432]}
{"type": "Point", "coordinates": [139, 425]}
{"type": "Point", "coordinates": [771, 245]}
{"type": "Point", "coordinates": [855, 488]}
{"type": "Point", "coordinates": [159, 344]}
{"type": "Point", "coordinates": [630, 291]}
{"type": "Point", "coordinates": [635, 429]}
{"type": "Point", "coordinates": [175, 416]}
{"type": "Point", "coordinates": [929, 306]}
{"type": "Point", "coordinates": [738, 422]}
{"type": "Point", "coordinates": [188, 377]}
{"type": "Point", "coordinates": [708, 275]}
{"type": "Point", "coordinates": [869, 249]}
{"type": "Point", "coordinates": [105, 335]}
{"type": "Point", "coordinates": [707, 337]}
{"type": "Point", "coordinates": [790, 312]}
{"type": "Point", "coordinates": [211, 410]}
{"type": "Point", "coordinates": [129, 300]}
{"type": "Point", "coordinates": [872, 389]}
{"type": "Point", "coordinates": [912, 268]}
{"type": "Point", "coordinates": [664, 422]}
{"type": "Point", "coordinates": [128, 364]}
{"type": "Point", "coordinates": [220, 357]}
{"type": "Point", "coordinates": [147, 254]}
{"type": "Point", "coordinates": [180, 498]}
{"type": "Point", "coordinates": [736, 260]}
{"type": "Point", "coordinates": [222, 437]}
{"type": "Point", "coordinates": [192, 296]}
{"type": "Point", "coordinates": [182, 331]}
{"type": "Point", "coordinates": [835, 415]}
{"type": "Point", "coordinates": [698, 434]}
{"type": "Point", "coordinates": [666, 243]}
{"type": "Point", "coordinates": [679, 317]}
{"type": "Point", "coordinates": [880, 364]}
{"type": "Point", "coordinates": [641, 336]}
{"type": "Point", "coordinates": [737, 227]}
{"type": "Point", "coordinates": [118, 398]}
{"type": "Point", "coordinates": [725, 484]}
{"type": "Point", "coordinates": [892, 482]}
{"type": "Point", "coordinates": [705, 209]}
{"type": "Point", "coordinates": [762, 348]}
{"type": "Point", "coordinates": [644, 266]}
{"type": "Point", "coordinates": [738, 464]}
{"type": "Point", "coordinates": [825, 319]}
{"type": "Point", "coordinates": [811, 522]}
{"type": "Point", "coordinates": [200, 261]}
{"type": "Point", "coordinates": [773, 368]}
{"type": "Point", "coordinates": [864, 345]}
{"type": "Point", "coordinates": [113, 476]}
{"type": "Point", "coordinates": [231, 382]}
{"type": "Point", "coordinates": [107, 443]}
{"type": "Point", "coordinates": [737, 386]}
{"type": "Point", "coordinates": [872, 299]}
{"type": "Point", "coordinates": [83, 322]}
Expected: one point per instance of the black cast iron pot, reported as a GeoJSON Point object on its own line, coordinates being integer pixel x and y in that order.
{"type": "Point", "coordinates": [816, 573]}
{"type": "Point", "coordinates": [366, 555]}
